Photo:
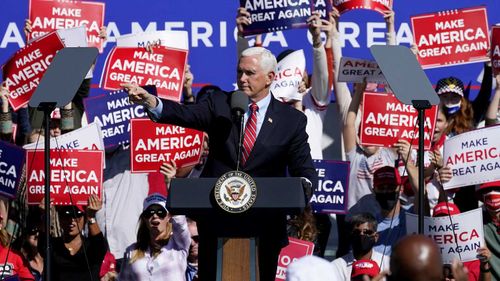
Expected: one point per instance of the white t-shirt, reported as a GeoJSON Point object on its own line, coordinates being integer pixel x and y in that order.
{"type": "Point", "coordinates": [343, 265]}
{"type": "Point", "coordinates": [315, 114]}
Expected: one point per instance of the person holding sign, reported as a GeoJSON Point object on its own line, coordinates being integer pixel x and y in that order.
{"type": "Point", "coordinates": [489, 193]}
{"type": "Point", "coordinates": [493, 112]}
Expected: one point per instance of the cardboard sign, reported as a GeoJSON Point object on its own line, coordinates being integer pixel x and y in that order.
{"type": "Point", "coordinates": [289, 73]}
{"type": "Point", "coordinates": [457, 238]}
{"type": "Point", "coordinates": [164, 68]}
{"type": "Point", "coordinates": [495, 49]}
{"type": "Point", "coordinates": [177, 39]}
{"type": "Point", "coordinates": [152, 143]}
{"type": "Point", "coordinates": [474, 157]}
{"type": "Point", "coordinates": [356, 70]}
{"type": "Point", "coordinates": [50, 15]}
{"type": "Point", "coordinates": [296, 249]}
{"type": "Point", "coordinates": [333, 183]}
{"type": "Point", "coordinates": [386, 120]}
{"type": "Point", "coordinates": [112, 111]}
{"type": "Point", "coordinates": [451, 37]}
{"type": "Point", "coordinates": [267, 16]}
{"type": "Point", "coordinates": [23, 71]}
{"type": "Point", "coordinates": [376, 5]}
{"type": "Point", "coordinates": [11, 168]}
{"type": "Point", "coordinates": [74, 176]}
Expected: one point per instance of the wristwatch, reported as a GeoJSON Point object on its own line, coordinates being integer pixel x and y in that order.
{"type": "Point", "coordinates": [92, 221]}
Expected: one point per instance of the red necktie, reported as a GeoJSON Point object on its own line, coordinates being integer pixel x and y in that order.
{"type": "Point", "coordinates": [250, 133]}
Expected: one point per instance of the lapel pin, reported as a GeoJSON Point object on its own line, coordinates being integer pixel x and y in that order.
{"type": "Point", "coordinates": [270, 120]}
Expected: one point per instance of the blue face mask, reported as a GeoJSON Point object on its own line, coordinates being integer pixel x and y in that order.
{"type": "Point", "coordinates": [453, 108]}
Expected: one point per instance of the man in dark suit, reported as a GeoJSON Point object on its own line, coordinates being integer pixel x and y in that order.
{"type": "Point", "coordinates": [280, 144]}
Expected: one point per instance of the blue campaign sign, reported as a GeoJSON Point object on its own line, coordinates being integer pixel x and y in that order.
{"type": "Point", "coordinates": [333, 182]}
{"type": "Point", "coordinates": [112, 111]}
{"type": "Point", "coordinates": [11, 167]}
{"type": "Point", "coordinates": [212, 33]}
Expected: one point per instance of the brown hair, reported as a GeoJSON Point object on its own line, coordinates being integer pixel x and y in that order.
{"type": "Point", "coordinates": [144, 240]}
{"type": "Point", "coordinates": [462, 121]}
{"type": "Point", "coordinates": [305, 225]}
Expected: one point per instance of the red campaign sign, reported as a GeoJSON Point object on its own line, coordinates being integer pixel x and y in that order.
{"type": "Point", "coordinates": [451, 37]}
{"type": "Point", "coordinates": [375, 5]}
{"type": "Point", "coordinates": [296, 249]}
{"type": "Point", "coordinates": [74, 176]}
{"type": "Point", "coordinates": [152, 143]}
{"type": "Point", "coordinates": [23, 71]}
{"type": "Point", "coordinates": [50, 15]}
{"type": "Point", "coordinates": [495, 49]}
{"type": "Point", "coordinates": [163, 68]}
{"type": "Point", "coordinates": [386, 120]}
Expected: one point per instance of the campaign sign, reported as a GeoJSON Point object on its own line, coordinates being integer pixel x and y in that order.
{"type": "Point", "coordinates": [457, 237]}
{"type": "Point", "coordinates": [75, 37]}
{"type": "Point", "coordinates": [152, 143]}
{"type": "Point", "coordinates": [23, 71]}
{"type": "Point", "coordinates": [495, 49]}
{"type": "Point", "coordinates": [356, 70]}
{"type": "Point", "coordinates": [267, 16]}
{"type": "Point", "coordinates": [474, 157]}
{"type": "Point", "coordinates": [375, 5]}
{"type": "Point", "coordinates": [451, 37]}
{"type": "Point", "coordinates": [74, 176]}
{"type": "Point", "coordinates": [296, 249]}
{"type": "Point", "coordinates": [112, 111]}
{"type": "Point", "coordinates": [386, 120]}
{"type": "Point", "coordinates": [177, 39]}
{"type": "Point", "coordinates": [289, 73]}
{"type": "Point", "coordinates": [164, 68]}
{"type": "Point", "coordinates": [333, 182]}
{"type": "Point", "coordinates": [50, 15]}
{"type": "Point", "coordinates": [11, 168]}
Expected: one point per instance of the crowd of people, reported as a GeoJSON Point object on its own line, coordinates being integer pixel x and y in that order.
{"type": "Point", "coordinates": [130, 234]}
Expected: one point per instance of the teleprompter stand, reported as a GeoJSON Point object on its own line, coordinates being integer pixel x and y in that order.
{"type": "Point", "coordinates": [411, 86]}
{"type": "Point", "coordinates": [237, 249]}
{"type": "Point", "coordinates": [56, 89]}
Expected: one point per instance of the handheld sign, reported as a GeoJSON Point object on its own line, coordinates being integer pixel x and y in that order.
{"type": "Point", "coordinates": [380, 6]}
{"type": "Point", "coordinates": [296, 249]}
{"type": "Point", "coordinates": [451, 37]}
{"type": "Point", "coordinates": [112, 111]}
{"type": "Point", "coordinates": [164, 68]}
{"type": "Point", "coordinates": [457, 238]}
{"type": "Point", "coordinates": [289, 73]}
{"type": "Point", "coordinates": [267, 16]}
{"type": "Point", "coordinates": [474, 157]}
{"type": "Point", "coordinates": [177, 39]}
{"type": "Point", "coordinates": [74, 176]}
{"type": "Point", "coordinates": [356, 70]}
{"type": "Point", "coordinates": [386, 120]}
{"type": "Point", "coordinates": [24, 70]}
{"type": "Point", "coordinates": [11, 168]}
{"type": "Point", "coordinates": [50, 15]}
{"type": "Point", "coordinates": [333, 183]}
{"type": "Point", "coordinates": [495, 49]}
{"type": "Point", "coordinates": [152, 143]}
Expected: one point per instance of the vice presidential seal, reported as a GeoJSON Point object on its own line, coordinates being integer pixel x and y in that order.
{"type": "Point", "coordinates": [235, 192]}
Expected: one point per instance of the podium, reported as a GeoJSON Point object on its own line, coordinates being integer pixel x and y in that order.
{"type": "Point", "coordinates": [237, 249]}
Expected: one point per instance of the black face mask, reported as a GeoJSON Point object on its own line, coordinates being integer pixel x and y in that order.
{"type": "Point", "coordinates": [362, 244]}
{"type": "Point", "coordinates": [387, 201]}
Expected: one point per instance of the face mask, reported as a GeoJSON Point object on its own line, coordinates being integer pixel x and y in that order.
{"type": "Point", "coordinates": [362, 244]}
{"type": "Point", "coordinates": [387, 200]}
{"type": "Point", "coordinates": [453, 108]}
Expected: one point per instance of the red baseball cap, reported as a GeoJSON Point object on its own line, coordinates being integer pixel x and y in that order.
{"type": "Point", "coordinates": [386, 175]}
{"type": "Point", "coordinates": [365, 267]}
{"type": "Point", "coordinates": [444, 209]}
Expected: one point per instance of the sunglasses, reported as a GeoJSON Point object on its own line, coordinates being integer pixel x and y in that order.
{"type": "Point", "coordinates": [33, 231]}
{"type": "Point", "coordinates": [161, 213]}
{"type": "Point", "coordinates": [71, 214]}
{"type": "Point", "coordinates": [367, 232]}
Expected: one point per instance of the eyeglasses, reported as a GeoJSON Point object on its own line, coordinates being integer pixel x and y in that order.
{"type": "Point", "coordinates": [161, 213]}
{"type": "Point", "coordinates": [367, 232]}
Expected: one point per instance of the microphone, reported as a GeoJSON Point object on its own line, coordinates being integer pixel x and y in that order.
{"type": "Point", "coordinates": [239, 103]}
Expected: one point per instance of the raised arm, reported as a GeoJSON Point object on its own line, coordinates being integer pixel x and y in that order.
{"type": "Point", "coordinates": [350, 134]}
{"type": "Point", "coordinates": [390, 36]}
{"type": "Point", "coordinates": [320, 89]}
{"type": "Point", "coordinates": [492, 112]}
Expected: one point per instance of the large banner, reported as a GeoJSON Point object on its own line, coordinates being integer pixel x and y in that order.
{"type": "Point", "coordinates": [333, 183]}
{"type": "Point", "coordinates": [50, 15]}
{"type": "Point", "coordinates": [152, 143]}
{"type": "Point", "coordinates": [495, 49]}
{"type": "Point", "coordinates": [176, 39]}
{"type": "Point", "coordinates": [289, 74]}
{"type": "Point", "coordinates": [11, 167]}
{"type": "Point", "coordinates": [457, 236]}
{"type": "Point", "coordinates": [22, 73]}
{"type": "Point", "coordinates": [112, 111]}
{"type": "Point", "coordinates": [296, 249]}
{"type": "Point", "coordinates": [386, 120]}
{"type": "Point", "coordinates": [74, 176]}
{"type": "Point", "coordinates": [451, 37]}
{"type": "Point", "coordinates": [474, 157]}
{"type": "Point", "coordinates": [356, 70]}
{"type": "Point", "coordinates": [268, 16]}
{"type": "Point", "coordinates": [163, 68]}
{"type": "Point", "coordinates": [376, 5]}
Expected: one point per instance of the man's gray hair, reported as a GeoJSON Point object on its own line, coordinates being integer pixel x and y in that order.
{"type": "Point", "coordinates": [267, 59]}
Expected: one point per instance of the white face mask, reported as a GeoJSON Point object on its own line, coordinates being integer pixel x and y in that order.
{"type": "Point", "coordinates": [453, 108]}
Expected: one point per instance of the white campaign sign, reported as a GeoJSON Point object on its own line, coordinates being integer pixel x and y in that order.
{"type": "Point", "coordinates": [75, 37]}
{"type": "Point", "coordinates": [289, 72]}
{"type": "Point", "coordinates": [474, 157]}
{"type": "Point", "coordinates": [355, 70]}
{"type": "Point", "coordinates": [168, 38]}
{"type": "Point", "coordinates": [458, 238]}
